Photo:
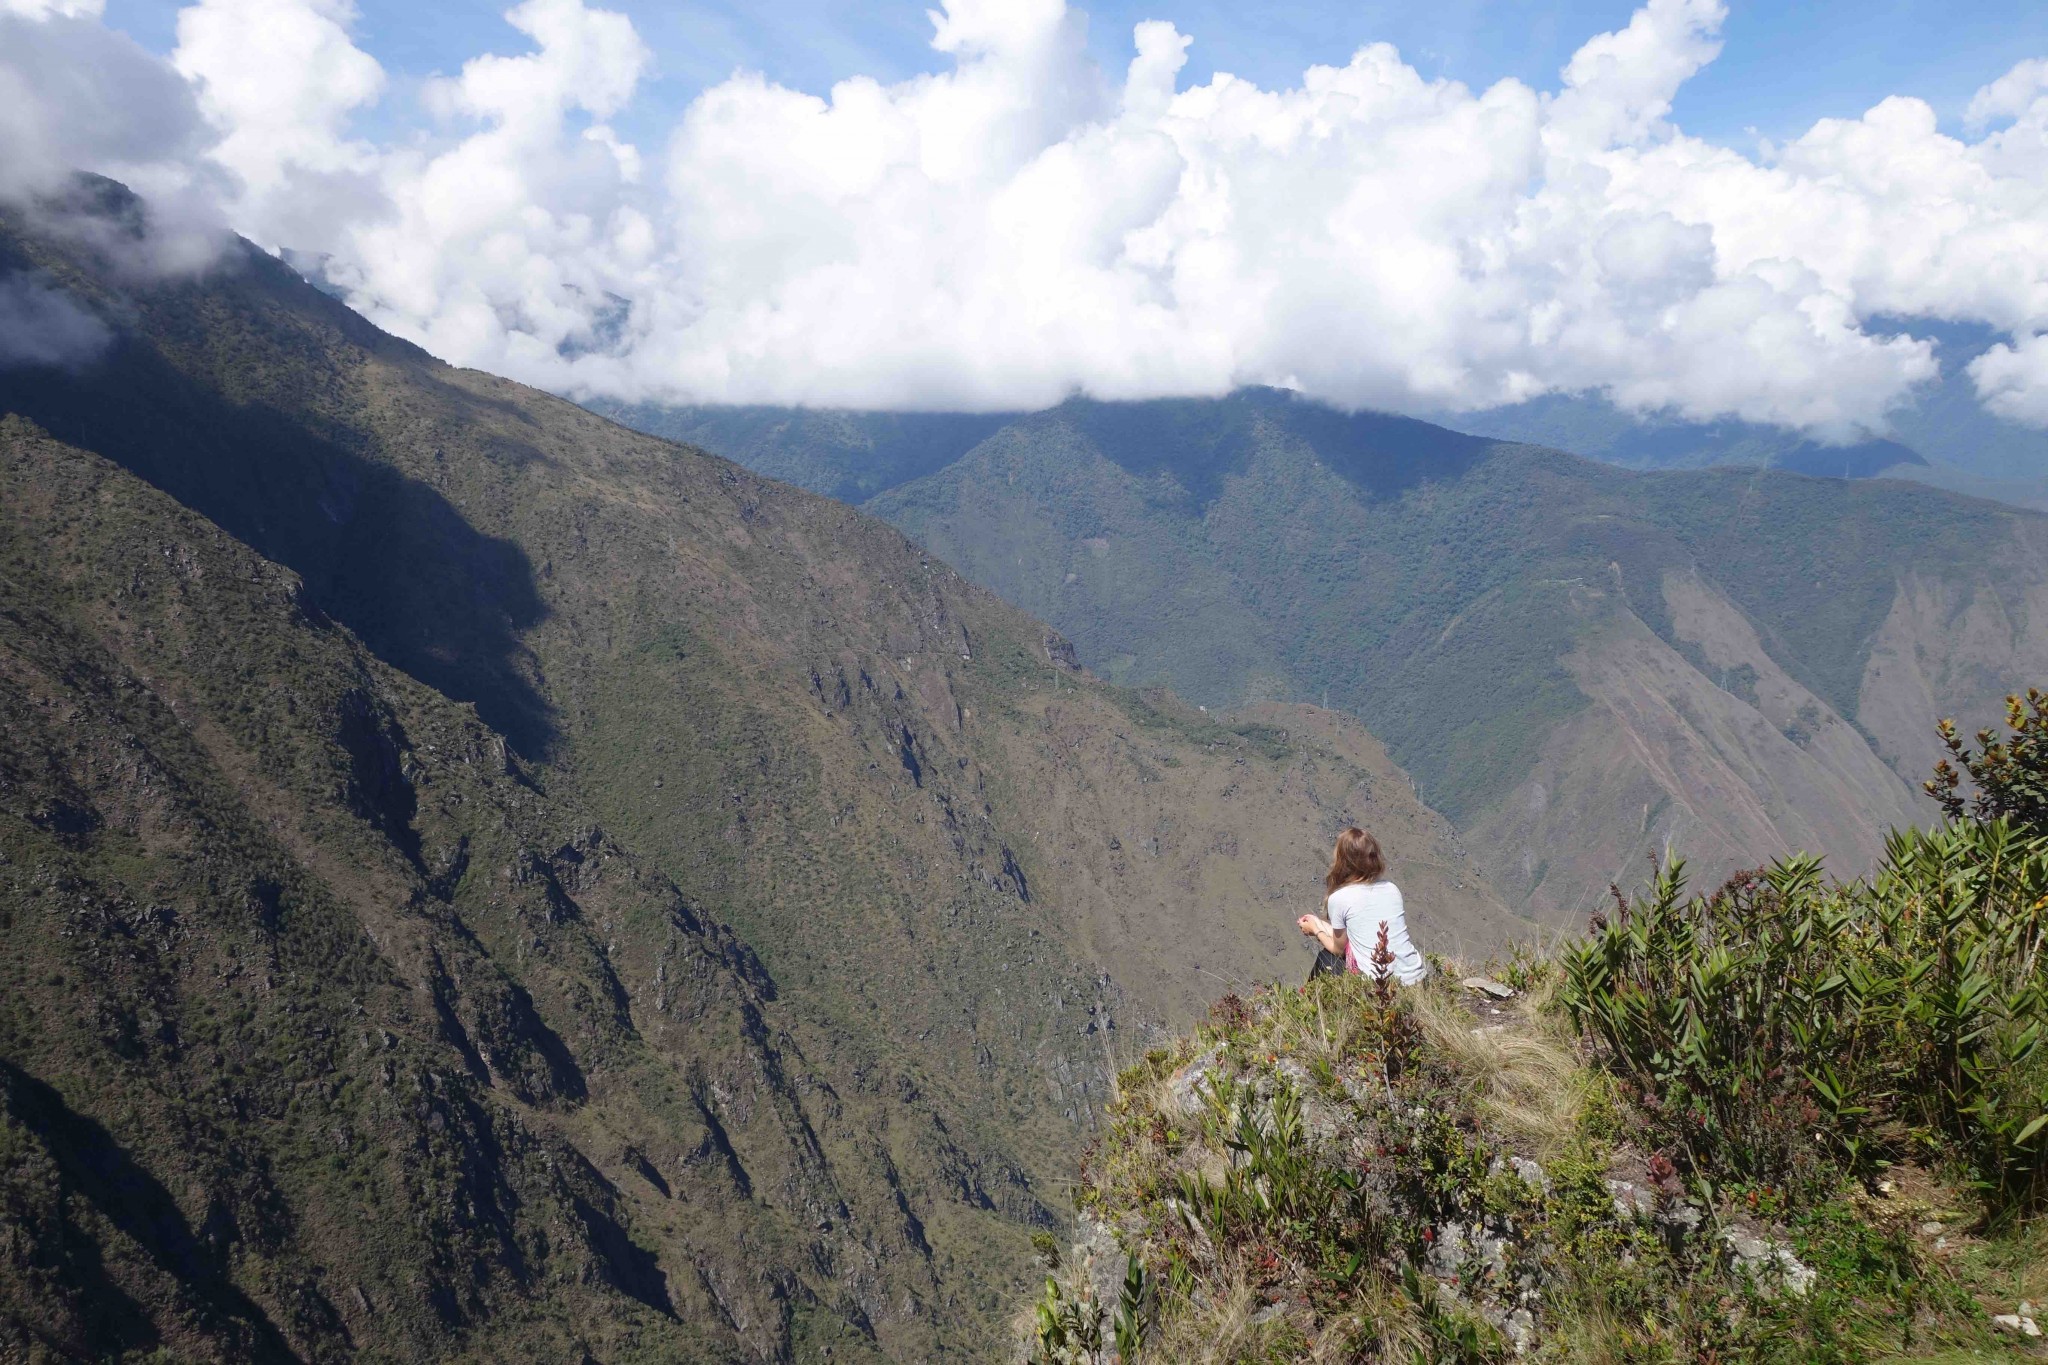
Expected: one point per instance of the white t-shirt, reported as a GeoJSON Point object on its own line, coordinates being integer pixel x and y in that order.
{"type": "Point", "coordinates": [1359, 909]}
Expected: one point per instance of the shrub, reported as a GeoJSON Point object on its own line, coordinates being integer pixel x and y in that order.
{"type": "Point", "coordinates": [1785, 1028]}
{"type": "Point", "coordinates": [2010, 776]}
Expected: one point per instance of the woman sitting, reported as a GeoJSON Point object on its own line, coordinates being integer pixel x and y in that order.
{"type": "Point", "coordinates": [1358, 901]}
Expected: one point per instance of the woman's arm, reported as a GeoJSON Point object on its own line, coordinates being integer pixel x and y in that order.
{"type": "Point", "coordinates": [1323, 932]}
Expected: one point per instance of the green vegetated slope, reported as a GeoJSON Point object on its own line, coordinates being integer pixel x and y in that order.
{"type": "Point", "coordinates": [1579, 664]}
{"type": "Point", "coordinates": [477, 718]}
{"type": "Point", "coordinates": [326, 1029]}
{"type": "Point", "coordinates": [845, 455]}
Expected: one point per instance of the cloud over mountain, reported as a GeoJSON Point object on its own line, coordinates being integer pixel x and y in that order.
{"type": "Point", "coordinates": [40, 325]}
{"type": "Point", "coordinates": [1023, 224]}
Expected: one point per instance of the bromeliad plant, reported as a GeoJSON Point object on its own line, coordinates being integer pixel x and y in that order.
{"type": "Point", "coordinates": [1785, 1027]}
{"type": "Point", "coordinates": [1069, 1328]}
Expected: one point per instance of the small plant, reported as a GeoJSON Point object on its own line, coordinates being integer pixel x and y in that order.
{"type": "Point", "coordinates": [1069, 1328]}
{"type": "Point", "coordinates": [1525, 970]}
{"type": "Point", "coordinates": [2010, 775]}
{"type": "Point", "coordinates": [1393, 1025]}
{"type": "Point", "coordinates": [1134, 1306]}
{"type": "Point", "coordinates": [1230, 1013]}
{"type": "Point", "coordinates": [1450, 1337]}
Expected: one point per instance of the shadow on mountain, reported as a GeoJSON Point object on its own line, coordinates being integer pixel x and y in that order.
{"type": "Point", "coordinates": [96, 1169]}
{"type": "Point", "coordinates": [381, 552]}
{"type": "Point", "coordinates": [851, 456]}
{"type": "Point", "coordinates": [1200, 442]}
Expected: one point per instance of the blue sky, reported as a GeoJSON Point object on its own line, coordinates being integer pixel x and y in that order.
{"type": "Point", "coordinates": [1786, 63]}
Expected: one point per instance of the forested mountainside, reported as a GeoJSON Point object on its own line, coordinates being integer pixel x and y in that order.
{"type": "Point", "coordinates": [481, 880]}
{"type": "Point", "coordinates": [1580, 664]}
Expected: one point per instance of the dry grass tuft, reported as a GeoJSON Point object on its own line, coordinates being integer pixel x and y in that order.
{"type": "Point", "coordinates": [1216, 1332]}
{"type": "Point", "coordinates": [1585, 1333]}
{"type": "Point", "coordinates": [1526, 1075]}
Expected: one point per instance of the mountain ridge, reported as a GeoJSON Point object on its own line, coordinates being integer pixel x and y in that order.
{"type": "Point", "coordinates": [1454, 591]}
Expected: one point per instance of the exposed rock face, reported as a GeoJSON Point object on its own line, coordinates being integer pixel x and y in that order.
{"type": "Point", "coordinates": [1188, 1080]}
{"type": "Point", "coordinates": [1952, 649]}
{"type": "Point", "coordinates": [1770, 1264]}
{"type": "Point", "coordinates": [1668, 760]}
{"type": "Point", "coordinates": [2021, 1323]}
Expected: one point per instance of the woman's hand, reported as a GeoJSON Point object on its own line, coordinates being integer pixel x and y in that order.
{"type": "Point", "coordinates": [1322, 931]}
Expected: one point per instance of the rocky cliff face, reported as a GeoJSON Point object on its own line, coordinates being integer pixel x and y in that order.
{"type": "Point", "coordinates": [1943, 639]}
{"type": "Point", "coordinates": [1715, 755]}
{"type": "Point", "coordinates": [328, 1030]}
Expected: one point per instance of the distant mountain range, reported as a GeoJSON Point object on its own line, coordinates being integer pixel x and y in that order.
{"type": "Point", "coordinates": [1595, 428]}
{"type": "Point", "coordinates": [1944, 436]}
{"type": "Point", "coordinates": [1580, 664]}
{"type": "Point", "coordinates": [480, 883]}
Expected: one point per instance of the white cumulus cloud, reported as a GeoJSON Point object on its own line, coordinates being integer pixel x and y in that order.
{"type": "Point", "coordinates": [280, 82]}
{"type": "Point", "coordinates": [1023, 225]}
{"type": "Point", "coordinates": [2013, 380]}
{"type": "Point", "coordinates": [75, 96]}
{"type": "Point", "coordinates": [2011, 95]}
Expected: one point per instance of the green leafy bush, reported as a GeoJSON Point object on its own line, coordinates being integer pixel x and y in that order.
{"type": "Point", "coordinates": [1786, 1029]}
{"type": "Point", "coordinates": [2010, 776]}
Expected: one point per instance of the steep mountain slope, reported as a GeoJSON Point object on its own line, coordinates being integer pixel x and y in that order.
{"type": "Point", "coordinates": [1579, 664]}
{"type": "Point", "coordinates": [325, 1030]}
{"type": "Point", "coordinates": [974, 876]}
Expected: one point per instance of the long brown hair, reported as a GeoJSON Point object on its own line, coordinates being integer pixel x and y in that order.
{"type": "Point", "coordinates": [1357, 858]}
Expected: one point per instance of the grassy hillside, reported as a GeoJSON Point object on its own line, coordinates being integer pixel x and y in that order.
{"type": "Point", "coordinates": [1578, 663]}
{"type": "Point", "coordinates": [969, 878]}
